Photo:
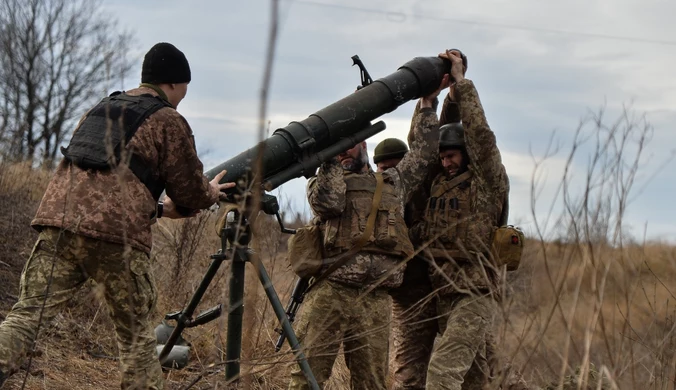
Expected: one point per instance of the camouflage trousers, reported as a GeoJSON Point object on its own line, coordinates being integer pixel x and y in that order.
{"type": "Point", "coordinates": [71, 260]}
{"type": "Point", "coordinates": [334, 313]}
{"type": "Point", "coordinates": [459, 359]}
{"type": "Point", "coordinates": [414, 327]}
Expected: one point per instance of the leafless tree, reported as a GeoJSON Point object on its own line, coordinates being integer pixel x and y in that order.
{"type": "Point", "coordinates": [56, 58]}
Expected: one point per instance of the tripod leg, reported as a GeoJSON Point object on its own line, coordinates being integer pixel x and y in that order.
{"type": "Point", "coordinates": [286, 325]}
{"type": "Point", "coordinates": [233, 348]}
{"type": "Point", "coordinates": [186, 314]}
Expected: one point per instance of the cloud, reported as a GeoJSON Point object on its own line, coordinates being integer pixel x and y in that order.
{"type": "Point", "coordinates": [531, 79]}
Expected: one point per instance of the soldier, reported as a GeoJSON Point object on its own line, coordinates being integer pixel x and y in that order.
{"type": "Point", "coordinates": [363, 224]}
{"type": "Point", "coordinates": [466, 203]}
{"type": "Point", "coordinates": [414, 314]}
{"type": "Point", "coordinates": [388, 153]}
{"type": "Point", "coordinates": [95, 217]}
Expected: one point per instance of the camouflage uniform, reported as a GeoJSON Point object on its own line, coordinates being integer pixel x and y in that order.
{"type": "Point", "coordinates": [592, 380]}
{"type": "Point", "coordinates": [342, 309]}
{"type": "Point", "coordinates": [96, 225]}
{"type": "Point", "coordinates": [129, 293]}
{"type": "Point", "coordinates": [459, 225]}
{"type": "Point", "coordinates": [414, 322]}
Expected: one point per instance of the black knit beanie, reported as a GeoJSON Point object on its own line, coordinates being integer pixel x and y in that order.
{"type": "Point", "coordinates": [164, 63]}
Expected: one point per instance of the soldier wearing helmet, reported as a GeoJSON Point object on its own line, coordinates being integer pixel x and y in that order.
{"type": "Point", "coordinates": [452, 153]}
{"type": "Point", "coordinates": [351, 305]}
{"type": "Point", "coordinates": [466, 203]}
{"type": "Point", "coordinates": [388, 153]}
{"type": "Point", "coordinates": [414, 314]}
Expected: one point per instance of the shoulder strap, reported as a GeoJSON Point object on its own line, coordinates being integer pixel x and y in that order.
{"type": "Point", "coordinates": [449, 185]}
{"type": "Point", "coordinates": [150, 104]}
{"type": "Point", "coordinates": [504, 216]}
{"type": "Point", "coordinates": [343, 258]}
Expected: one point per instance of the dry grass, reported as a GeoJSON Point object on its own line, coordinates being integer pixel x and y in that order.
{"type": "Point", "coordinates": [633, 339]}
{"type": "Point", "coordinates": [20, 191]}
{"type": "Point", "coordinates": [585, 297]}
{"type": "Point", "coordinates": [625, 327]}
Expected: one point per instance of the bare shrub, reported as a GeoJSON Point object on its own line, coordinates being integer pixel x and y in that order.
{"type": "Point", "coordinates": [55, 57]}
{"type": "Point", "coordinates": [588, 298]}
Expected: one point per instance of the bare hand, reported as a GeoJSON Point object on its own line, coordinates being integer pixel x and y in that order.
{"type": "Point", "coordinates": [457, 68]}
{"type": "Point", "coordinates": [428, 101]}
{"type": "Point", "coordinates": [169, 210]}
{"type": "Point", "coordinates": [221, 187]}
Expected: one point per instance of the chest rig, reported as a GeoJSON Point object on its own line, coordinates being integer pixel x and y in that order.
{"type": "Point", "coordinates": [98, 142]}
{"type": "Point", "coordinates": [452, 221]}
{"type": "Point", "coordinates": [390, 234]}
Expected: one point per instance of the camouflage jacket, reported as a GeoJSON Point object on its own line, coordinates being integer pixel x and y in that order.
{"type": "Point", "coordinates": [326, 195]}
{"type": "Point", "coordinates": [450, 113]}
{"type": "Point", "coordinates": [485, 196]}
{"type": "Point", "coordinates": [115, 206]}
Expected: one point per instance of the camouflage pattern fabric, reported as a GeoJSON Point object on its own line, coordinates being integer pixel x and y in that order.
{"type": "Point", "coordinates": [128, 289]}
{"type": "Point", "coordinates": [595, 380]}
{"type": "Point", "coordinates": [115, 206]}
{"type": "Point", "coordinates": [367, 269]}
{"type": "Point", "coordinates": [466, 282]}
{"type": "Point", "coordinates": [389, 234]}
{"type": "Point", "coordinates": [467, 229]}
{"type": "Point", "coordinates": [459, 358]}
{"type": "Point", "coordinates": [414, 327]}
{"type": "Point", "coordinates": [327, 193]}
{"type": "Point", "coordinates": [415, 208]}
{"type": "Point", "coordinates": [333, 314]}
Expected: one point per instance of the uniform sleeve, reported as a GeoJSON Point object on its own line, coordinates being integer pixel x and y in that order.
{"type": "Point", "coordinates": [415, 209]}
{"type": "Point", "coordinates": [182, 170]}
{"type": "Point", "coordinates": [416, 113]}
{"type": "Point", "coordinates": [480, 141]}
{"type": "Point", "coordinates": [423, 145]}
{"type": "Point", "coordinates": [326, 191]}
{"type": "Point", "coordinates": [450, 112]}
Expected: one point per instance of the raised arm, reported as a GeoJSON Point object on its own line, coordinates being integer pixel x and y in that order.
{"type": "Point", "coordinates": [423, 144]}
{"type": "Point", "coordinates": [480, 141]}
{"type": "Point", "coordinates": [326, 191]}
{"type": "Point", "coordinates": [416, 114]}
{"type": "Point", "coordinates": [450, 111]}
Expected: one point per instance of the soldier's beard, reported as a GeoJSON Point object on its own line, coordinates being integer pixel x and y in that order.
{"type": "Point", "coordinates": [356, 164]}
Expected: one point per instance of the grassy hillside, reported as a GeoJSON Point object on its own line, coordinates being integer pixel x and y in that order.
{"type": "Point", "coordinates": [570, 306]}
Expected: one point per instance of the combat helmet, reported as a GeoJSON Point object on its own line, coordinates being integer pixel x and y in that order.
{"type": "Point", "coordinates": [451, 136]}
{"type": "Point", "coordinates": [389, 148]}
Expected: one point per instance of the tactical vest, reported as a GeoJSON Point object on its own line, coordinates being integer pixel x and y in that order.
{"type": "Point", "coordinates": [98, 141]}
{"type": "Point", "coordinates": [390, 235]}
{"type": "Point", "coordinates": [452, 221]}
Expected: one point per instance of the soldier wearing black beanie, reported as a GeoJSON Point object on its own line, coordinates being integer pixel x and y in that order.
{"type": "Point", "coordinates": [101, 202]}
{"type": "Point", "coordinates": [166, 71]}
{"type": "Point", "coordinates": [164, 63]}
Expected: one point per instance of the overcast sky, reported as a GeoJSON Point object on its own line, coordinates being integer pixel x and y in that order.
{"type": "Point", "coordinates": [539, 67]}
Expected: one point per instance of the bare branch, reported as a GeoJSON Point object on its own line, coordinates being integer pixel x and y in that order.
{"type": "Point", "coordinates": [54, 58]}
